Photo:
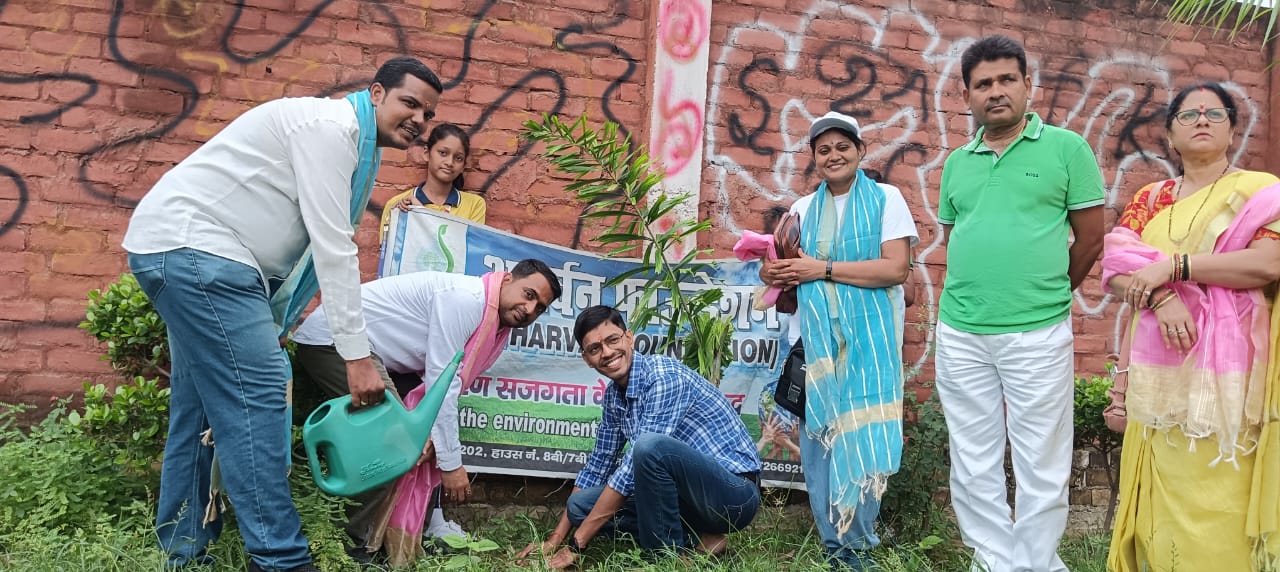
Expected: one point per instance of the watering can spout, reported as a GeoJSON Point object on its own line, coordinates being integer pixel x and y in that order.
{"type": "Point", "coordinates": [351, 451]}
{"type": "Point", "coordinates": [424, 415]}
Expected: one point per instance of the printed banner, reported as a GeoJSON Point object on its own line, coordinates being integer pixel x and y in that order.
{"type": "Point", "coordinates": [535, 412]}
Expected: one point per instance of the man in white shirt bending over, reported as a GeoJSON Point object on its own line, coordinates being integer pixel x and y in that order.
{"type": "Point", "coordinates": [417, 322]}
{"type": "Point", "coordinates": [275, 195]}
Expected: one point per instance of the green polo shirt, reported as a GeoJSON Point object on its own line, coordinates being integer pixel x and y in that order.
{"type": "Point", "coordinates": [1007, 256]}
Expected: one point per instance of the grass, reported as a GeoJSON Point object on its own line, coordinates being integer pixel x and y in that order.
{"type": "Point", "coordinates": [780, 539]}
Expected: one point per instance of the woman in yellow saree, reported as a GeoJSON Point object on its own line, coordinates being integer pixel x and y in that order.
{"type": "Point", "coordinates": [1198, 257]}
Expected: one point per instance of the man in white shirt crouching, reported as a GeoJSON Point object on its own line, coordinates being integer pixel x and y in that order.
{"type": "Point", "coordinates": [416, 323]}
{"type": "Point", "coordinates": [230, 245]}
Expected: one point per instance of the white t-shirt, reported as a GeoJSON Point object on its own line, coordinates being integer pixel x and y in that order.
{"type": "Point", "coordinates": [416, 323]}
{"type": "Point", "coordinates": [274, 181]}
{"type": "Point", "coordinates": [896, 223]}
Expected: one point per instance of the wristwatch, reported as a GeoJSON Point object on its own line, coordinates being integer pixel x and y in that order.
{"type": "Point", "coordinates": [829, 261]}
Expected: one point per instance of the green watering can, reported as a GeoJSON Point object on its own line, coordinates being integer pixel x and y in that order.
{"type": "Point", "coordinates": [368, 447]}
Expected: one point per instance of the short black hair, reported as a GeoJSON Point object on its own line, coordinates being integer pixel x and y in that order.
{"type": "Point", "coordinates": [593, 317]}
{"type": "Point", "coordinates": [531, 266]}
{"type": "Point", "coordinates": [391, 74]}
{"type": "Point", "coordinates": [1228, 102]}
{"type": "Point", "coordinates": [990, 49]}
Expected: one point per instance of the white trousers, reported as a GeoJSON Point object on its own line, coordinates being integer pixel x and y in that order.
{"type": "Point", "coordinates": [1017, 388]}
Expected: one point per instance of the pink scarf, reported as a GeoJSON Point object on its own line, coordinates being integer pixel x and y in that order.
{"type": "Point", "coordinates": [402, 535]}
{"type": "Point", "coordinates": [1217, 389]}
{"type": "Point", "coordinates": [753, 246]}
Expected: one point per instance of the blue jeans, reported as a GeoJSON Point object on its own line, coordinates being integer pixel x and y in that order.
{"type": "Point", "coordinates": [228, 374]}
{"type": "Point", "coordinates": [685, 493]}
{"type": "Point", "coordinates": [846, 550]}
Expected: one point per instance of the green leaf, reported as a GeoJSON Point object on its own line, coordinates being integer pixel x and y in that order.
{"type": "Point", "coordinates": [455, 541]}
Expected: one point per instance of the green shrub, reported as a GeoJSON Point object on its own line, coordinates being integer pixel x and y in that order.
{"type": "Point", "coordinates": [122, 318]}
{"type": "Point", "coordinates": [132, 420]}
{"type": "Point", "coordinates": [909, 508]}
{"type": "Point", "coordinates": [56, 478]}
{"type": "Point", "coordinates": [1091, 399]}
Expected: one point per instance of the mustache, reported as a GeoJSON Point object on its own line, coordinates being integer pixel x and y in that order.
{"type": "Point", "coordinates": [1002, 101]}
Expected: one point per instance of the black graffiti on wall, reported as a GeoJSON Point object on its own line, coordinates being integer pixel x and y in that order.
{"type": "Point", "coordinates": [872, 83]}
{"type": "Point", "coordinates": [179, 79]}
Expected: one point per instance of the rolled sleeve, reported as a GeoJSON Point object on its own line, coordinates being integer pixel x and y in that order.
{"type": "Point", "coordinates": [323, 155]}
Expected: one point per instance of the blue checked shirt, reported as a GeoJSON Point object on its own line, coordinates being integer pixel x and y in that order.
{"type": "Point", "coordinates": [663, 396]}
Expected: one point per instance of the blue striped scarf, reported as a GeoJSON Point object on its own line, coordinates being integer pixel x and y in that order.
{"type": "Point", "coordinates": [853, 378]}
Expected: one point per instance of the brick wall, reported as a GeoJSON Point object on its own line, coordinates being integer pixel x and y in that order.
{"type": "Point", "coordinates": [99, 97]}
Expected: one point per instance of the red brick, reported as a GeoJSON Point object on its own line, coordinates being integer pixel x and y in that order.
{"type": "Point", "coordinates": [67, 310]}
{"type": "Point", "coordinates": [12, 285]}
{"type": "Point", "coordinates": [45, 238]}
{"type": "Point", "coordinates": [20, 262]}
{"type": "Point", "coordinates": [484, 94]}
{"type": "Point", "coordinates": [66, 43]}
{"type": "Point", "coordinates": [75, 360]}
{"type": "Point", "coordinates": [23, 360]}
{"type": "Point", "coordinates": [14, 238]}
{"type": "Point", "coordinates": [108, 73]}
{"type": "Point", "coordinates": [345, 54]}
{"type": "Point", "coordinates": [65, 140]}
{"type": "Point", "coordinates": [13, 38]}
{"type": "Point", "coordinates": [50, 337]}
{"type": "Point", "coordinates": [22, 310]}
{"type": "Point", "coordinates": [99, 23]}
{"type": "Point", "coordinates": [512, 55]}
{"type": "Point", "coordinates": [100, 264]}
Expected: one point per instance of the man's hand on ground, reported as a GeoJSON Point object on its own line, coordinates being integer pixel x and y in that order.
{"type": "Point", "coordinates": [546, 547]}
{"type": "Point", "coordinates": [457, 486]}
{"type": "Point", "coordinates": [364, 382]}
{"type": "Point", "coordinates": [563, 559]}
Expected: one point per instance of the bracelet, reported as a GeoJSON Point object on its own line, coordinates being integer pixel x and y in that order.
{"type": "Point", "coordinates": [1156, 296]}
{"type": "Point", "coordinates": [1173, 261]}
{"type": "Point", "coordinates": [573, 544]}
{"type": "Point", "coordinates": [1162, 301]}
{"type": "Point", "coordinates": [1186, 268]}
{"type": "Point", "coordinates": [829, 269]}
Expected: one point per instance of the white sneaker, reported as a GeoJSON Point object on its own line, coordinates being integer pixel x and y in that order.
{"type": "Point", "coordinates": [443, 529]}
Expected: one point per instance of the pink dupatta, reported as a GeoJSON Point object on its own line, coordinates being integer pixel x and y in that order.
{"type": "Point", "coordinates": [402, 534]}
{"type": "Point", "coordinates": [754, 245]}
{"type": "Point", "coordinates": [1218, 388]}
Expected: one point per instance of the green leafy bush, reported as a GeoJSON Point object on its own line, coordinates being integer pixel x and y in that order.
{"type": "Point", "coordinates": [132, 420]}
{"type": "Point", "coordinates": [910, 507]}
{"type": "Point", "coordinates": [1091, 399]}
{"type": "Point", "coordinates": [122, 318]}
{"type": "Point", "coordinates": [55, 477]}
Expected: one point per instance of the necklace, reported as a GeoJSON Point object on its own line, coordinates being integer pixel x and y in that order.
{"type": "Point", "coordinates": [1192, 222]}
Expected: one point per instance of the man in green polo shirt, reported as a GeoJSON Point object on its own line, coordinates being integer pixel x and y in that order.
{"type": "Point", "coordinates": [1005, 365]}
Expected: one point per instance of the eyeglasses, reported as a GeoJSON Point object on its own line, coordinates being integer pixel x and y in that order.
{"type": "Point", "coordinates": [1191, 116]}
{"type": "Point", "coordinates": [594, 350]}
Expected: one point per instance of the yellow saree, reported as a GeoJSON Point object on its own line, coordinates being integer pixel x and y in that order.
{"type": "Point", "coordinates": [1183, 505]}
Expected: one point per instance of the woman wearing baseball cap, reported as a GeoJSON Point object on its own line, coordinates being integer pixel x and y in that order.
{"type": "Point", "coordinates": [856, 239]}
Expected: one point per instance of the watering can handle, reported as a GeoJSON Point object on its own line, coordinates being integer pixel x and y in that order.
{"type": "Point", "coordinates": [353, 410]}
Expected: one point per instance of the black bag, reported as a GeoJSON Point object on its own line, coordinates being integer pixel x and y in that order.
{"type": "Point", "coordinates": [790, 391]}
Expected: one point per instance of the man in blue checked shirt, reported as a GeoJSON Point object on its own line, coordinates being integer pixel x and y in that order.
{"type": "Point", "coordinates": [691, 464]}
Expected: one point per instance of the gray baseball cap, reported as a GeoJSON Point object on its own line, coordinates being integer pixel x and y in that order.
{"type": "Point", "coordinates": [831, 120]}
